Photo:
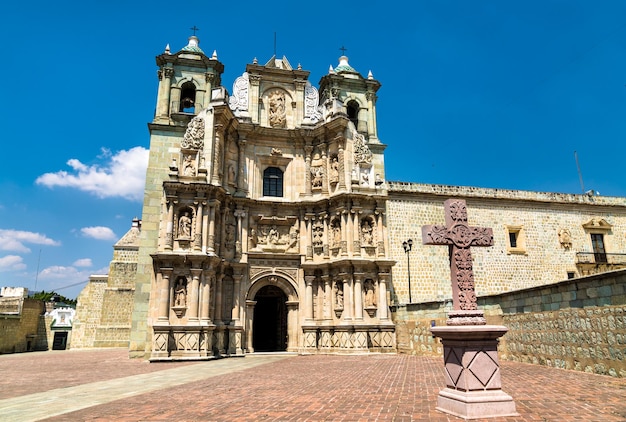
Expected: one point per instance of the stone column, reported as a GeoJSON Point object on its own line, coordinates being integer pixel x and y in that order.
{"type": "Point", "coordinates": [344, 233]}
{"type": "Point", "coordinates": [255, 81]}
{"type": "Point", "coordinates": [164, 275]}
{"type": "Point", "coordinates": [239, 239]}
{"type": "Point", "coordinates": [340, 158]}
{"type": "Point", "coordinates": [218, 299]}
{"type": "Point", "coordinates": [383, 306]}
{"type": "Point", "coordinates": [217, 155]}
{"type": "Point", "coordinates": [169, 228]}
{"type": "Point", "coordinates": [380, 235]}
{"type": "Point", "coordinates": [194, 294]}
{"type": "Point", "coordinates": [328, 299]}
{"type": "Point", "coordinates": [309, 235]}
{"type": "Point", "coordinates": [308, 298]}
{"type": "Point", "coordinates": [371, 120]}
{"type": "Point", "coordinates": [292, 326]}
{"type": "Point", "coordinates": [242, 189]}
{"type": "Point", "coordinates": [165, 82]}
{"type": "Point", "coordinates": [324, 170]}
{"type": "Point", "coordinates": [347, 297]}
{"type": "Point", "coordinates": [307, 170]}
{"type": "Point", "coordinates": [236, 295]}
{"type": "Point", "coordinates": [325, 217]}
{"type": "Point", "coordinates": [223, 221]}
{"type": "Point", "coordinates": [358, 297]}
{"type": "Point", "coordinates": [212, 214]}
{"type": "Point", "coordinates": [205, 300]}
{"type": "Point", "coordinates": [249, 319]}
{"type": "Point", "coordinates": [197, 241]}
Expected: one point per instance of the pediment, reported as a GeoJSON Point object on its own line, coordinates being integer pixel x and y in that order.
{"type": "Point", "coordinates": [597, 223]}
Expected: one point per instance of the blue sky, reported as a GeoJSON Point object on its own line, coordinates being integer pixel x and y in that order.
{"type": "Point", "coordinates": [476, 93]}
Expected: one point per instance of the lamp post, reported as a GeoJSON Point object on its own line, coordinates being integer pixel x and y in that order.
{"type": "Point", "coordinates": [408, 245]}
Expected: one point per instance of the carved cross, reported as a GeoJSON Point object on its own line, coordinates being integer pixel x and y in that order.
{"type": "Point", "coordinates": [459, 237]}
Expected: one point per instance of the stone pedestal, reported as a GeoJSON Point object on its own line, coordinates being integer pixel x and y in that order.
{"type": "Point", "coordinates": [472, 372]}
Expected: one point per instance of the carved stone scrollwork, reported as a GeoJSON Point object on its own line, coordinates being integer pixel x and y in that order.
{"type": "Point", "coordinates": [362, 153]}
{"type": "Point", "coordinates": [194, 135]}
{"type": "Point", "coordinates": [238, 102]}
{"type": "Point", "coordinates": [312, 109]}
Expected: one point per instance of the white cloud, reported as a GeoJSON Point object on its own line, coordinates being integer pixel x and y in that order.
{"type": "Point", "coordinates": [11, 263]}
{"type": "Point", "coordinates": [98, 232]}
{"type": "Point", "coordinates": [121, 175]}
{"type": "Point", "coordinates": [59, 272]}
{"type": "Point", "coordinates": [14, 240]}
{"type": "Point", "coordinates": [84, 262]}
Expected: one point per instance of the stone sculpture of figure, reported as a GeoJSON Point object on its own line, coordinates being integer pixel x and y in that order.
{"type": "Point", "coordinates": [293, 237]}
{"type": "Point", "coordinates": [318, 234]}
{"type": "Point", "coordinates": [180, 292]}
{"type": "Point", "coordinates": [277, 116]}
{"type": "Point", "coordinates": [338, 295]}
{"type": "Point", "coordinates": [365, 179]}
{"type": "Point", "coordinates": [316, 172]}
{"type": "Point", "coordinates": [336, 235]}
{"type": "Point", "coordinates": [272, 236]}
{"type": "Point", "coordinates": [189, 167]}
{"type": "Point", "coordinates": [230, 236]}
{"type": "Point", "coordinates": [231, 174]}
{"type": "Point", "coordinates": [366, 233]}
{"type": "Point", "coordinates": [253, 238]}
{"type": "Point", "coordinates": [184, 226]}
{"type": "Point", "coordinates": [333, 177]}
{"type": "Point", "coordinates": [370, 297]}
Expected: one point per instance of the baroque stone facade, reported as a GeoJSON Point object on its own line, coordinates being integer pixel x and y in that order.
{"type": "Point", "coordinates": [268, 223]}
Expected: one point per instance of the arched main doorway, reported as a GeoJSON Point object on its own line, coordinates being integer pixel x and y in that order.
{"type": "Point", "coordinates": [269, 327]}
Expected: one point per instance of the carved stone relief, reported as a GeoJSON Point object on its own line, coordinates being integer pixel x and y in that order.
{"type": "Point", "coordinates": [277, 114]}
{"type": "Point", "coordinates": [565, 239]}
{"type": "Point", "coordinates": [194, 135]}
{"type": "Point", "coordinates": [274, 237]}
{"type": "Point", "coordinates": [184, 226]}
{"type": "Point", "coordinates": [333, 174]}
{"type": "Point", "coordinates": [317, 177]}
{"type": "Point", "coordinates": [180, 292]}
{"type": "Point", "coordinates": [318, 234]}
{"type": "Point", "coordinates": [189, 165]}
{"type": "Point", "coordinates": [362, 153]}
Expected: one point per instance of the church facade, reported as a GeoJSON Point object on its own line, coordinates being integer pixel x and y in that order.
{"type": "Point", "coordinates": [268, 223]}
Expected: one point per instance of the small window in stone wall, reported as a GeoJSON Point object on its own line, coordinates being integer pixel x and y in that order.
{"type": "Point", "coordinates": [516, 240]}
{"type": "Point", "coordinates": [571, 274]}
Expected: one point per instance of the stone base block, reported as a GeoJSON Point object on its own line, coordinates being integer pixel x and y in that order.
{"type": "Point", "coordinates": [476, 404]}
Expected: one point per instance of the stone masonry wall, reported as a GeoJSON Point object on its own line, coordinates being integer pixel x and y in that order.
{"type": "Point", "coordinates": [541, 259]}
{"type": "Point", "coordinates": [88, 312]}
{"type": "Point", "coordinates": [18, 333]}
{"type": "Point", "coordinates": [577, 324]}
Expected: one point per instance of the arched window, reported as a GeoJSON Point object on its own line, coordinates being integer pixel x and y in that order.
{"type": "Point", "coordinates": [353, 112]}
{"type": "Point", "coordinates": [188, 98]}
{"type": "Point", "coordinates": [273, 182]}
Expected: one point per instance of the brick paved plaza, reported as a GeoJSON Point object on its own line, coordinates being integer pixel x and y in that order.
{"type": "Point", "coordinates": [104, 385]}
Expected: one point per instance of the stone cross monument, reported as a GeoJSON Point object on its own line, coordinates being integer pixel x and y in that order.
{"type": "Point", "coordinates": [459, 236]}
{"type": "Point", "coordinates": [470, 346]}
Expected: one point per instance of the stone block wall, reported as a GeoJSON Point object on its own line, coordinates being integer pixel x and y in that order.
{"type": "Point", "coordinates": [19, 332]}
{"type": "Point", "coordinates": [540, 260]}
{"type": "Point", "coordinates": [88, 312]}
{"type": "Point", "coordinates": [577, 324]}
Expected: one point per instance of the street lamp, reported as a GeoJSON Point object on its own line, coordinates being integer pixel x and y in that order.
{"type": "Point", "coordinates": [408, 245]}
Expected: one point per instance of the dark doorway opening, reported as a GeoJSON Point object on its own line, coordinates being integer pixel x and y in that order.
{"type": "Point", "coordinates": [269, 328]}
{"type": "Point", "coordinates": [60, 340]}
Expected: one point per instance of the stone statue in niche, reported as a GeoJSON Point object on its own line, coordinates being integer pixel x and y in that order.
{"type": "Point", "coordinates": [230, 236]}
{"type": "Point", "coordinates": [367, 233]}
{"type": "Point", "coordinates": [565, 239]}
{"type": "Point", "coordinates": [336, 229]}
{"type": "Point", "coordinates": [338, 290]}
{"type": "Point", "coordinates": [180, 292]}
{"type": "Point", "coordinates": [277, 112]}
{"type": "Point", "coordinates": [318, 233]}
{"type": "Point", "coordinates": [184, 226]}
{"type": "Point", "coordinates": [316, 177]}
{"type": "Point", "coordinates": [365, 178]}
{"type": "Point", "coordinates": [369, 291]}
{"type": "Point", "coordinates": [294, 235]}
{"type": "Point", "coordinates": [333, 176]}
{"type": "Point", "coordinates": [252, 238]}
{"type": "Point", "coordinates": [231, 174]}
{"type": "Point", "coordinates": [189, 165]}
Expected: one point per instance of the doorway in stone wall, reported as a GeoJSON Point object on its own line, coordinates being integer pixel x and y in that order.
{"type": "Point", "coordinates": [269, 326]}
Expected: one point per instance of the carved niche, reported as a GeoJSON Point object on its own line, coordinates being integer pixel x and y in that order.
{"type": "Point", "coordinates": [180, 296]}
{"type": "Point", "coordinates": [277, 112]}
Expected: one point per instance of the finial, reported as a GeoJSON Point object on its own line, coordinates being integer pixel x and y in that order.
{"type": "Point", "coordinates": [167, 49]}
{"type": "Point", "coordinates": [299, 66]}
{"type": "Point", "coordinates": [214, 56]}
{"type": "Point", "coordinates": [369, 75]}
{"type": "Point", "coordinates": [255, 61]}
{"type": "Point", "coordinates": [330, 69]}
